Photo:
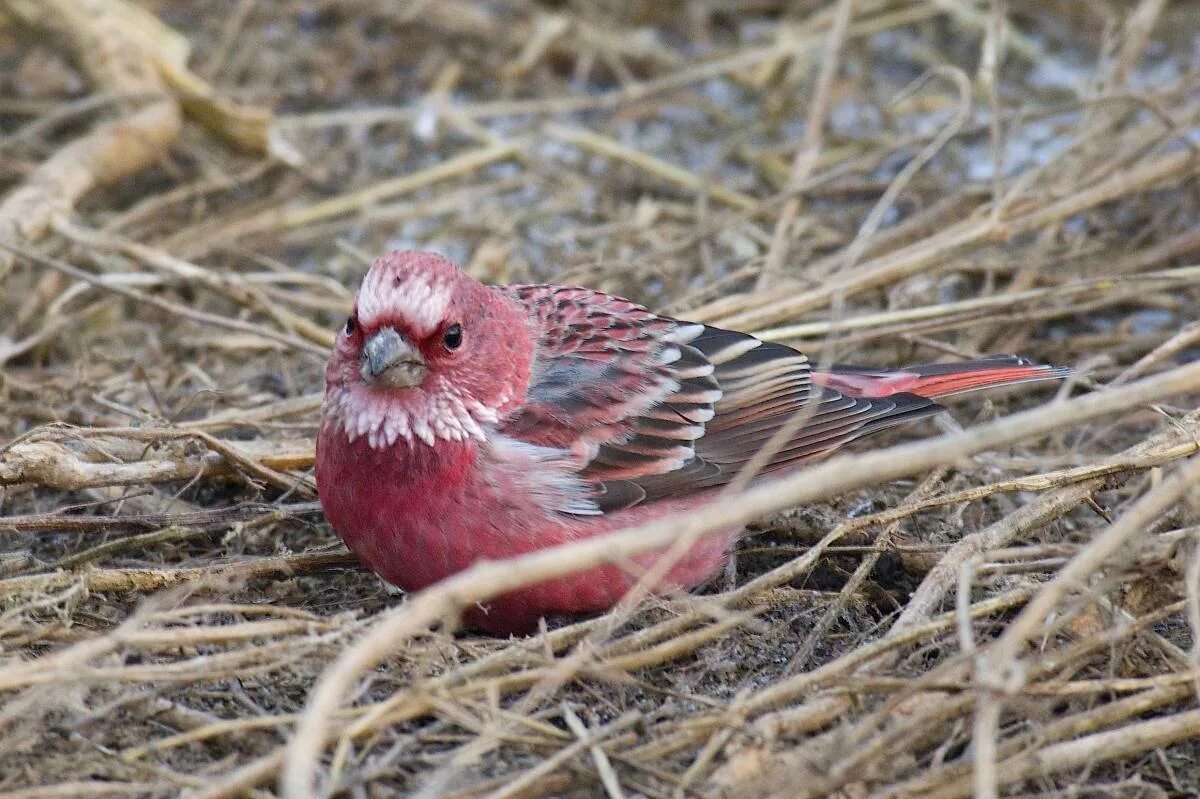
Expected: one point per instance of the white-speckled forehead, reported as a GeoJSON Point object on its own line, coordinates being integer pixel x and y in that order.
{"type": "Point", "coordinates": [411, 287]}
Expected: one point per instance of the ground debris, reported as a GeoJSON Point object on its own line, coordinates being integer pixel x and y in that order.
{"type": "Point", "coordinates": [191, 191]}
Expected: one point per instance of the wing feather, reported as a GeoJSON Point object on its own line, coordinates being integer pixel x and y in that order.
{"type": "Point", "coordinates": [648, 406]}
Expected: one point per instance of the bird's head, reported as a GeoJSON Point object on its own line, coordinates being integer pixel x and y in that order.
{"type": "Point", "coordinates": [428, 353]}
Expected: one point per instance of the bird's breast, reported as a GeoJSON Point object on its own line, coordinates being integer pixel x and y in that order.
{"type": "Point", "coordinates": [414, 513]}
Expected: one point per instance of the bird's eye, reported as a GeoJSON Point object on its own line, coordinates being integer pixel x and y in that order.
{"type": "Point", "coordinates": [351, 323]}
{"type": "Point", "coordinates": [453, 336]}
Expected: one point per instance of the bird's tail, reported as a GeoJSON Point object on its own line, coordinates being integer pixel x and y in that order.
{"type": "Point", "coordinates": [936, 380]}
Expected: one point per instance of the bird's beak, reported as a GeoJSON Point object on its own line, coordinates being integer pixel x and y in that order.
{"type": "Point", "coordinates": [389, 360]}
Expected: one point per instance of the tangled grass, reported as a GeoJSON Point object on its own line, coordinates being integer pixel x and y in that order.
{"type": "Point", "coordinates": [1007, 605]}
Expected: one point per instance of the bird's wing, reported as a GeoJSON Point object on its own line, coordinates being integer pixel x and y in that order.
{"type": "Point", "coordinates": [649, 406]}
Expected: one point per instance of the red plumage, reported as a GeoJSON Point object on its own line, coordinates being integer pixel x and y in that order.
{"type": "Point", "coordinates": [464, 422]}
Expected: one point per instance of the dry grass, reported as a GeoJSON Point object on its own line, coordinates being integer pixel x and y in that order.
{"type": "Point", "coordinates": [1009, 608]}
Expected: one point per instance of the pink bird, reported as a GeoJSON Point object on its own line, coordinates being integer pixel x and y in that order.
{"type": "Point", "coordinates": [464, 422]}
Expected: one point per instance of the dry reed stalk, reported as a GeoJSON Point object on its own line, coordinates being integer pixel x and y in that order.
{"type": "Point", "coordinates": [167, 593]}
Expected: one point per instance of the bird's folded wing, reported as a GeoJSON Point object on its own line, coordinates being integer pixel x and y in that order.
{"type": "Point", "coordinates": [649, 406]}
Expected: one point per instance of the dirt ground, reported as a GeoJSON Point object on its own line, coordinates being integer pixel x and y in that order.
{"type": "Point", "coordinates": [191, 189]}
